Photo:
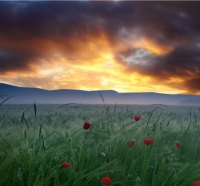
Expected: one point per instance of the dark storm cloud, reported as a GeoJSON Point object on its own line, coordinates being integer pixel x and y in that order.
{"type": "Point", "coordinates": [14, 60]}
{"type": "Point", "coordinates": [66, 19]}
{"type": "Point", "coordinates": [183, 63]}
{"type": "Point", "coordinates": [47, 19]}
{"type": "Point", "coordinates": [170, 23]}
{"type": "Point", "coordinates": [178, 62]}
{"type": "Point", "coordinates": [193, 84]}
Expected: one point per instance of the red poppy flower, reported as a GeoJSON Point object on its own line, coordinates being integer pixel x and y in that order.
{"type": "Point", "coordinates": [132, 143]}
{"type": "Point", "coordinates": [137, 117]}
{"type": "Point", "coordinates": [178, 145]}
{"type": "Point", "coordinates": [148, 141]}
{"type": "Point", "coordinates": [66, 164]}
{"type": "Point", "coordinates": [106, 180]}
{"type": "Point", "coordinates": [196, 183]}
{"type": "Point", "coordinates": [87, 125]}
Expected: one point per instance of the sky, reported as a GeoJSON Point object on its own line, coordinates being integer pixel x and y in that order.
{"type": "Point", "coordinates": [115, 45]}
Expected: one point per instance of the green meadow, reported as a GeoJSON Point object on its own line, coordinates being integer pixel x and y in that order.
{"type": "Point", "coordinates": [36, 139]}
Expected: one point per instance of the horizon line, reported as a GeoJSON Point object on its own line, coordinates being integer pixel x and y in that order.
{"type": "Point", "coordinates": [100, 90]}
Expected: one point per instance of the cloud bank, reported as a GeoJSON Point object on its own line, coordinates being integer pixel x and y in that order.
{"type": "Point", "coordinates": [125, 46]}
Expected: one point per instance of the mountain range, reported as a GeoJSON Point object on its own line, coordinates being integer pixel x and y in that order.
{"type": "Point", "coordinates": [26, 95]}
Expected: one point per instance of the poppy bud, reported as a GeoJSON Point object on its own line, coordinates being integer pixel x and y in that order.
{"type": "Point", "coordinates": [137, 117]}
{"type": "Point", "coordinates": [106, 180]}
{"type": "Point", "coordinates": [66, 165]}
{"type": "Point", "coordinates": [196, 183]}
{"type": "Point", "coordinates": [148, 141]}
{"type": "Point", "coordinates": [178, 144]}
{"type": "Point", "coordinates": [132, 143]}
{"type": "Point", "coordinates": [87, 125]}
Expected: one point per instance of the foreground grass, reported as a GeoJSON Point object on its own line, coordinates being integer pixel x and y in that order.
{"type": "Point", "coordinates": [35, 140]}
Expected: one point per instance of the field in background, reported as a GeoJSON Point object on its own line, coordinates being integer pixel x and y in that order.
{"type": "Point", "coordinates": [36, 139]}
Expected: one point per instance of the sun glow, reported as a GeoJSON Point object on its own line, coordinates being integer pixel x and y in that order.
{"type": "Point", "coordinates": [92, 66]}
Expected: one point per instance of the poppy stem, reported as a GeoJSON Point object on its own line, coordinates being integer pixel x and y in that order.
{"type": "Point", "coordinates": [75, 132]}
{"type": "Point", "coordinates": [127, 124]}
{"type": "Point", "coordinates": [145, 162]}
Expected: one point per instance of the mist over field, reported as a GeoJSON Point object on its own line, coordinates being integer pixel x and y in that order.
{"type": "Point", "coordinates": [24, 95]}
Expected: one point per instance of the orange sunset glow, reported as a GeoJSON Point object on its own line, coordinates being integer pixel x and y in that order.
{"type": "Point", "coordinates": [100, 49]}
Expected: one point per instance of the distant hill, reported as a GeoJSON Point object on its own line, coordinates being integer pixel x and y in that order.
{"type": "Point", "coordinates": [25, 95]}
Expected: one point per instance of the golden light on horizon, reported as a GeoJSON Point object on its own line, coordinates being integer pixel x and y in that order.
{"type": "Point", "coordinates": [92, 66]}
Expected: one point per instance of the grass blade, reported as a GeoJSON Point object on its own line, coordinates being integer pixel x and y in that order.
{"type": "Point", "coordinates": [35, 109]}
{"type": "Point", "coordinates": [5, 100]}
{"type": "Point", "coordinates": [101, 96]}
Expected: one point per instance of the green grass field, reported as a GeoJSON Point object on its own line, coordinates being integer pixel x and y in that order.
{"type": "Point", "coordinates": [36, 140]}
